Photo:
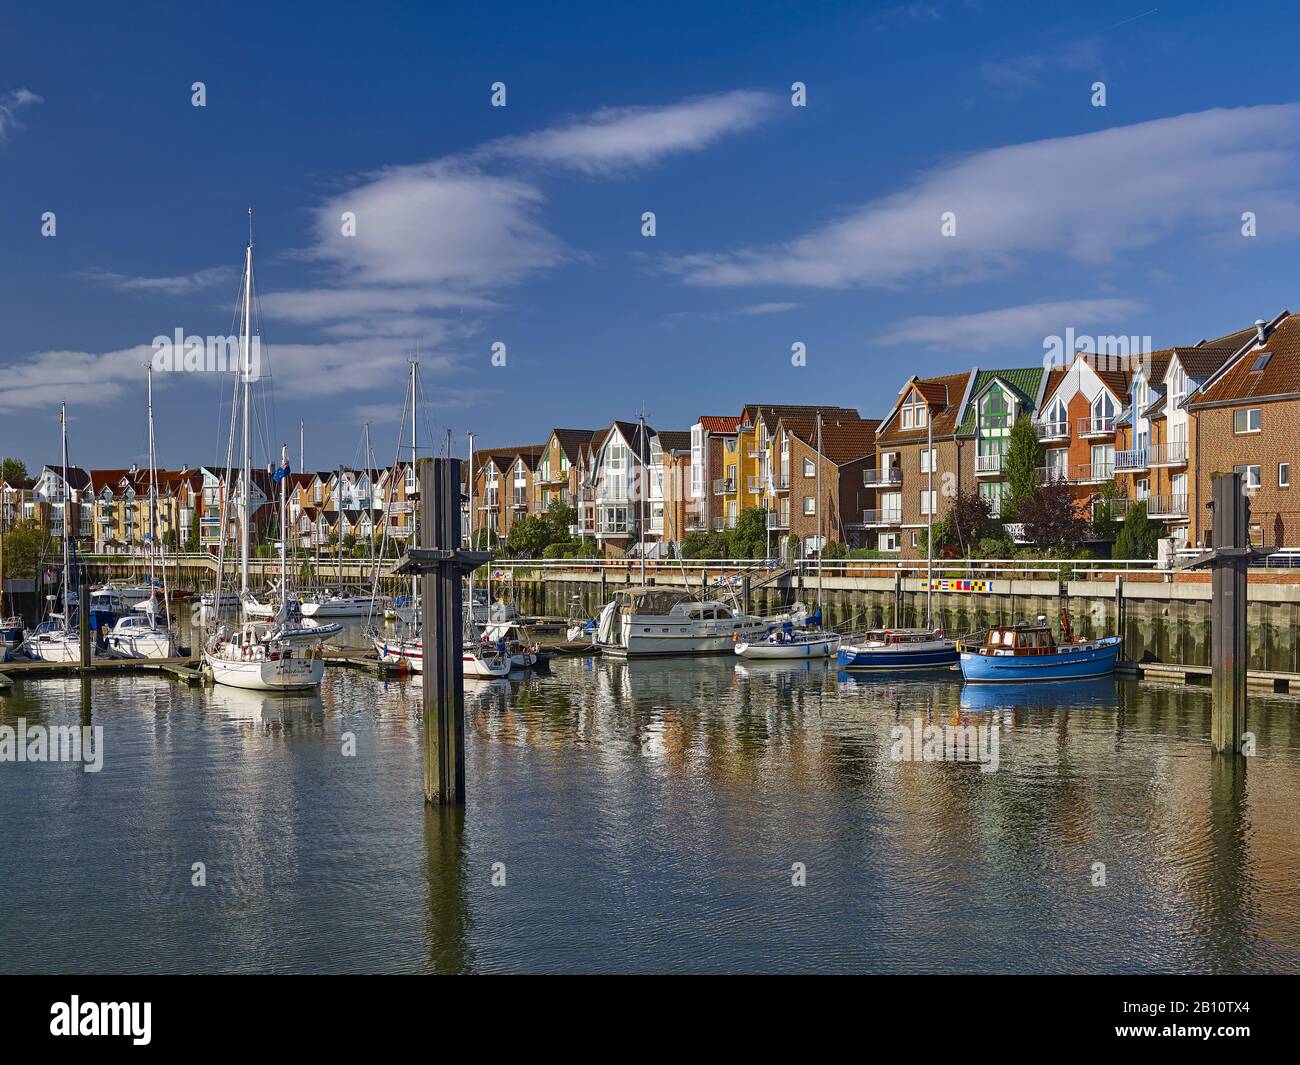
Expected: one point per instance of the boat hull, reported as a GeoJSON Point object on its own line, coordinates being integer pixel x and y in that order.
{"type": "Point", "coordinates": [412, 653]}
{"type": "Point", "coordinates": [821, 648]}
{"type": "Point", "coordinates": [936, 655]}
{"type": "Point", "coordinates": [266, 674]}
{"type": "Point", "coordinates": [144, 645]}
{"type": "Point", "coordinates": [1071, 662]}
{"type": "Point", "coordinates": [54, 650]}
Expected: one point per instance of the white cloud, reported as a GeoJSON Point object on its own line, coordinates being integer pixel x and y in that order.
{"type": "Point", "coordinates": [166, 286]}
{"type": "Point", "coordinates": [1020, 74]}
{"type": "Point", "coordinates": [614, 138]}
{"type": "Point", "coordinates": [48, 378]}
{"type": "Point", "coordinates": [1089, 197]}
{"type": "Point", "coordinates": [10, 104]}
{"type": "Point", "coordinates": [1008, 326]}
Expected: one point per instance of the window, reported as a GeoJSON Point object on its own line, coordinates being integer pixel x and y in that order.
{"type": "Point", "coordinates": [914, 412]}
{"type": "Point", "coordinates": [1058, 464]}
{"type": "Point", "coordinates": [888, 542]}
{"type": "Point", "coordinates": [992, 491]}
{"type": "Point", "coordinates": [1245, 421]}
{"type": "Point", "coordinates": [916, 540]}
{"type": "Point", "coordinates": [809, 468]}
{"type": "Point", "coordinates": [995, 411]}
{"type": "Point", "coordinates": [1103, 461]}
{"type": "Point", "coordinates": [929, 501]}
{"type": "Point", "coordinates": [1261, 360]}
{"type": "Point", "coordinates": [809, 505]}
{"type": "Point", "coordinates": [1284, 475]}
{"type": "Point", "coordinates": [1177, 387]}
{"type": "Point", "coordinates": [1103, 413]}
{"type": "Point", "coordinates": [1250, 475]}
{"type": "Point", "coordinates": [1144, 488]}
{"type": "Point", "coordinates": [928, 460]}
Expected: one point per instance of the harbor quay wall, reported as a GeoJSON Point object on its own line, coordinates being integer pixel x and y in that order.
{"type": "Point", "coordinates": [1159, 621]}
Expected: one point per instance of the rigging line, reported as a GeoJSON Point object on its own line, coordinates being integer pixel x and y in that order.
{"type": "Point", "coordinates": [407, 399]}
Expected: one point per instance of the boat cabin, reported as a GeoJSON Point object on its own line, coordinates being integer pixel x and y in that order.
{"type": "Point", "coordinates": [1019, 640]}
{"type": "Point", "coordinates": [661, 602]}
{"type": "Point", "coordinates": [898, 637]}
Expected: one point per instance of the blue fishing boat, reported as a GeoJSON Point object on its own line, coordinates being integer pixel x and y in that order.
{"type": "Point", "coordinates": [899, 649]}
{"type": "Point", "coordinates": [1022, 653]}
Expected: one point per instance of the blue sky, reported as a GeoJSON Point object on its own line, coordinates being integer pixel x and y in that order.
{"type": "Point", "coordinates": [522, 224]}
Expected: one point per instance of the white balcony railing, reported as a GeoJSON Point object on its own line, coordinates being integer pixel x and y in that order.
{"type": "Point", "coordinates": [1096, 425]}
{"type": "Point", "coordinates": [724, 486]}
{"type": "Point", "coordinates": [1171, 453]}
{"type": "Point", "coordinates": [1053, 431]}
{"type": "Point", "coordinates": [1138, 458]}
{"type": "Point", "coordinates": [988, 465]}
{"type": "Point", "coordinates": [882, 517]}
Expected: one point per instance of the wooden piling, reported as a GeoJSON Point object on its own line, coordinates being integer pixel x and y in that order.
{"type": "Point", "coordinates": [83, 623]}
{"type": "Point", "coordinates": [443, 637]}
{"type": "Point", "coordinates": [1228, 613]}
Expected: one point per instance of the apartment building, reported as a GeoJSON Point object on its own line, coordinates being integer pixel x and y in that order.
{"type": "Point", "coordinates": [1247, 418]}
{"type": "Point", "coordinates": [917, 437]}
{"type": "Point", "coordinates": [817, 488]}
{"type": "Point", "coordinates": [713, 452]}
{"type": "Point", "coordinates": [17, 503]}
{"type": "Point", "coordinates": [504, 488]}
{"type": "Point", "coordinates": [558, 471]}
{"type": "Point", "coordinates": [1078, 423]}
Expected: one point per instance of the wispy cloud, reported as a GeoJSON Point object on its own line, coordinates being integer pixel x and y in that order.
{"type": "Point", "coordinates": [1008, 327]}
{"type": "Point", "coordinates": [1089, 197]}
{"type": "Point", "coordinates": [11, 103]}
{"type": "Point", "coordinates": [613, 139]}
{"type": "Point", "coordinates": [1020, 74]}
{"type": "Point", "coordinates": [178, 285]}
{"type": "Point", "coordinates": [47, 378]}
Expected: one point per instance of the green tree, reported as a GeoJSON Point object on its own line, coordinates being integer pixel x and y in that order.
{"type": "Point", "coordinates": [192, 541]}
{"type": "Point", "coordinates": [13, 470]}
{"type": "Point", "coordinates": [24, 546]}
{"type": "Point", "coordinates": [1138, 536]}
{"type": "Point", "coordinates": [1023, 459]}
{"type": "Point", "coordinates": [749, 538]}
{"type": "Point", "coordinates": [559, 518]}
{"type": "Point", "coordinates": [529, 536]}
{"type": "Point", "coordinates": [1104, 519]}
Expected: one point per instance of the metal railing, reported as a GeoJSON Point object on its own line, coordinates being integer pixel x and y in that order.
{"type": "Point", "coordinates": [874, 478]}
{"type": "Point", "coordinates": [988, 464]}
{"type": "Point", "coordinates": [1078, 473]}
{"type": "Point", "coordinates": [1138, 458]}
{"type": "Point", "coordinates": [1170, 453]}
{"type": "Point", "coordinates": [1053, 430]}
{"type": "Point", "coordinates": [879, 517]}
{"type": "Point", "coordinates": [1167, 506]}
{"type": "Point", "coordinates": [724, 486]}
{"type": "Point", "coordinates": [1096, 425]}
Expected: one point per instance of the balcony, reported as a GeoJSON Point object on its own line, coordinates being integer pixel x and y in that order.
{"type": "Point", "coordinates": [724, 486]}
{"type": "Point", "coordinates": [988, 465]}
{"type": "Point", "coordinates": [876, 478]}
{"type": "Point", "coordinates": [1172, 453]}
{"type": "Point", "coordinates": [1053, 430]}
{"type": "Point", "coordinates": [1097, 425]}
{"type": "Point", "coordinates": [520, 504]}
{"type": "Point", "coordinates": [614, 527]}
{"type": "Point", "coordinates": [1132, 461]}
{"type": "Point", "coordinates": [776, 521]}
{"type": "Point", "coordinates": [1167, 506]}
{"type": "Point", "coordinates": [1078, 473]}
{"type": "Point", "coordinates": [695, 523]}
{"type": "Point", "coordinates": [879, 518]}
{"type": "Point", "coordinates": [723, 523]}
{"type": "Point", "coordinates": [755, 485]}
{"type": "Point", "coordinates": [781, 482]}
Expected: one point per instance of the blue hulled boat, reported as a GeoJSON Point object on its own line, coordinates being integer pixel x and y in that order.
{"type": "Point", "coordinates": [1017, 654]}
{"type": "Point", "coordinates": [899, 649]}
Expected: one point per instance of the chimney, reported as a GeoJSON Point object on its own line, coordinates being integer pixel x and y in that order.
{"type": "Point", "coordinates": [1260, 329]}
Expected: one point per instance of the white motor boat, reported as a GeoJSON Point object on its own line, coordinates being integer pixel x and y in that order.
{"type": "Point", "coordinates": [796, 644]}
{"type": "Point", "coordinates": [342, 605]}
{"type": "Point", "coordinates": [478, 661]}
{"type": "Point", "coordinates": [141, 635]}
{"type": "Point", "coordinates": [671, 621]}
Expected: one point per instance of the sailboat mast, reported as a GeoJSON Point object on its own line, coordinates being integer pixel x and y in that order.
{"type": "Point", "coordinates": [415, 363]}
{"type": "Point", "coordinates": [643, 453]}
{"type": "Point", "coordinates": [67, 496]}
{"type": "Point", "coordinates": [821, 505]}
{"type": "Point", "coordinates": [929, 521]}
{"type": "Point", "coordinates": [153, 485]}
{"type": "Point", "coordinates": [247, 368]}
{"type": "Point", "coordinates": [470, 479]}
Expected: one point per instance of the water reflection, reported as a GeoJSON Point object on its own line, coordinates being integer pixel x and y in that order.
{"type": "Point", "coordinates": [648, 814]}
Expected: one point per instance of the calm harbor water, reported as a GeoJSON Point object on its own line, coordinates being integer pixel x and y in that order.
{"type": "Point", "coordinates": [647, 817]}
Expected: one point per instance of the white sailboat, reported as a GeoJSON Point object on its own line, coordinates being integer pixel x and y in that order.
{"type": "Point", "coordinates": [282, 654]}
{"type": "Point", "coordinates": [146, 632]}
{"type": "Point", "coordinates": [56, 640]}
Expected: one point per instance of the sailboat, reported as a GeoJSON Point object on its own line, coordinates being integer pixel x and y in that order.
{"type": "Point", "coordinates": [11, 628]}
{"type": "Point", "coordinates": [143, 633]}
{"type": "Point", "coordinates": [56, 640]}
{"type": "Point", "coordinates": [282, 654]}
{"type": "Point", "coordinates": [925, 648]}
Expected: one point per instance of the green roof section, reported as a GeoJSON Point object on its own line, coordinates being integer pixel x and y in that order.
{"type": "Point", "coordinates": [1025, 381]}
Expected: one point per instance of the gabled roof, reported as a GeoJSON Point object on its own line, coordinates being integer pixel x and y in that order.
{"type": "Point", "coordinates": [943, 395]}
{"type": "Point", "coordinates": [571, 441]}
{"type": "Point", "coordinates": [1200, 363]}
{"type": "Point", "coordinates": [843, 439]}
{"type": "Point", "coordinates": [674, 440]}
{"type": "Point", "coordinates": [77, 477]}
{"type": "Point", "coordinates": [1026, 382]}
{"type": "Point", "coordinates": [1278, 377]}
{"type": "Point", "coordinates": [720, 423]}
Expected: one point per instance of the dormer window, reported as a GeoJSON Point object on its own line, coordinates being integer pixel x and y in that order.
{"type": "Point", "coordinates": [1177, 387]}
{"type": "Point", "coordinates": [1261, 360]}
{"type": "Point", "coordinates": [914, 412]}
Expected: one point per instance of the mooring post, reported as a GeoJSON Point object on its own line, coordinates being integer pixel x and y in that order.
{"type": "Point", "coordinates": [1119, 610]}
{"type": "Point", "coordinates": [1228, 613]}
{"type": "Point", "coordinates": [898, 596]}
{"type": "Point", "coordinates": [744, 593]}
{"type": "Point", "coordinates": [83, 621]}
{"type": "Point", "coordinates": [442, 562]}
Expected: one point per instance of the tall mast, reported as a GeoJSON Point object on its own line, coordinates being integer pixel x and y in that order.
{"type": "Point", "coordinates": [302, 445]}
{"type": "Point", "coordinates": [415, 363]}
{"type": "Point", "coordinates": [821, 505]}
{"type": "Point", "coordinates": [643, 454]}
{"type": "Point", "coordinates": [284, 533]}
{"type": "Point", "coordinates": [67, 497]}
{"type": "Point", "coordinates": [247, 366]}
{"type": "Point", "coordinates": [470, 479]}
{"type": "Point", "coordinates": [929, 520]}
